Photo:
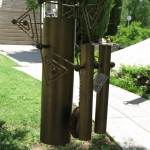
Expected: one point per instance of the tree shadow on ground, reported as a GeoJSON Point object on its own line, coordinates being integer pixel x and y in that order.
{"type": "Point", "coordinates": [33, 56]}
{"type": "Point", "coordinates": [132, 145]}
{"type": "Point", "coordinates": [136, 101]}
{"type": "Point", "coordinates": [9, 138]}
{"type": "Point", "coordinates": [98, 142]}
{"type": "Point", "coordinates": [104, 142]}
{"type": "Point", "coordinates": [134, 148]}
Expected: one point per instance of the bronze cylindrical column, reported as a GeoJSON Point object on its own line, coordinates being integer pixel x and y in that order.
{"type": "Point", "coordinates": [86, 92]}
{"type": "Point", "coordinates": [102, 96]}
{"type": "Point", "coordinates": [57, 80]}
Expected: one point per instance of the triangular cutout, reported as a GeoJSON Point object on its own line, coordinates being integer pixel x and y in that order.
{"type": "Point", "coordinates": [25, 24]}
{"type": "Point", "coordinates": [28, 23]}
{"type": "Point", "coordinates": [53, 70]}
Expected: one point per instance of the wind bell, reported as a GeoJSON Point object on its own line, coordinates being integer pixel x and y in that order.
{"type": "Point", "coordinates": [57, 45]}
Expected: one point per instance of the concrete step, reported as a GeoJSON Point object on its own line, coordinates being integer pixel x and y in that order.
{"type": "Point", "coordinates": [9, 26]}
{"type": "Point", "coordinates": [6, 23]}
{"type": "Point", "coordinates": [13, 34]}
{"type": "Point", "coordinates": [13, 6]}
{"type": "Point", "coordinates": [21, 35]}
{"type": "Point", "coordinates": [5, 10]}
{"type": "Point", "coordinates": [16, 42]}
{"type": "Point", "coordinates": [14, 2]}
{"type": "Point", "coordinates": [9, 22]}
{"type": "Point", "coordinates": [17, 4]}
{"type": "Point", "coordinates": [11, 3]}
{"type": "Point", "coordinates": [24, 38]}
{"type": "Point", "coordinates": [17, 33]}
{"type": "Point", "coordinates": [16, 14]}
{"type": "Point", "coordinates": [10, 15]}
{"type": "Point", "coordinates": [10, 33]}
{"type": "Point", "coordinates": [17, 30]}
{"type": "Point", "coordinates": [6, 31]}
{"type": "Point", "coordinates": [16, 10]}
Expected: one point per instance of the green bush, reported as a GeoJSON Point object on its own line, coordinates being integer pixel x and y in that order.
{"type": "Point", "coordinates": [31, 4]}
{"type": "Point", "coordinates": [131, 34]}
{"type": "Point", "coordinates": [133, 79]}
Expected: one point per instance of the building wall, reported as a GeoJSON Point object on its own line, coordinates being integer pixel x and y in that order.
{"type": "Point", "coordinates": [1, 3]}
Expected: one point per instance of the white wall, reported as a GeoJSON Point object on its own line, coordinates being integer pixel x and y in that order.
{"type": "Point", "coordinates": [1, 2]}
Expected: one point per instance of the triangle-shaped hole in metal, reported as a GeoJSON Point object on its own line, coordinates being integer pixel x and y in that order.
{"type": "Point", "coordinates": [28, 23]}
{"type": "Point", "coordinates": [24, 23]}
{"type": "Point", "coordinates": [53, 70]}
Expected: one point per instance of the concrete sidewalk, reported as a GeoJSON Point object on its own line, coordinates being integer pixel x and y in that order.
{"type": "Point", "coordinates": [128, 114]}
{"type": "Point", "coordinates": [137, 54]}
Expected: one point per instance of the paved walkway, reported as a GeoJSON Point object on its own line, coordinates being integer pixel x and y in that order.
{"type": "Point", "coordinates": [137, 54]}
{"type": "Point", "coordinates": [128, 114]}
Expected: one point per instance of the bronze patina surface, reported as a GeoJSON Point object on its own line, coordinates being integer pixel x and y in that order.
{"type": "Point", "coordinates": [57, 80]}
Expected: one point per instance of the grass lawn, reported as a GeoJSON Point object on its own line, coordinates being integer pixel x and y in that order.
{"type": "Point", "coordinates": [20, 100]}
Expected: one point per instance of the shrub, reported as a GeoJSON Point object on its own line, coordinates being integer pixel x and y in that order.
{"type": "Point", "coordinates": [31, 4]}
{"type": "Point", "coordinates": [132, 78]}
{"type": "Point", "coordinates": [131, 34]}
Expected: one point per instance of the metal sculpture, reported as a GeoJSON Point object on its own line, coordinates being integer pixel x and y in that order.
{"type": "Point", "coordinates": [57, 45]}
{"type": "Point", "coordinates": [27, 22]}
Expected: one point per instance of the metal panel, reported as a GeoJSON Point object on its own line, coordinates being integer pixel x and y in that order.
{"type": "Point", "coordinates": [57, 80]}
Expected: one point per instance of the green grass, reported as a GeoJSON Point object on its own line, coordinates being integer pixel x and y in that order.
{"type": "Point", "coordinates": [19, 107]}
{"type": "Point", "coordinates": [20, 102]}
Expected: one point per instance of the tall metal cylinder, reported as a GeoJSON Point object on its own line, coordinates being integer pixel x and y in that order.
{"type": "Point", "coordinates": [86, 92]}
{"type": "Point", "coordinates": [57, 80]}
{"type": "Point", "coordinates": [102, 96]}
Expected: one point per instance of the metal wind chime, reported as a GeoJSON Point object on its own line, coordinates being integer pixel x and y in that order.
{"type": "Point", "coordinates": [57, 42]}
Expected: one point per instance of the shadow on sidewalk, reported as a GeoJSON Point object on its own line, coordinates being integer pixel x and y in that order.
{"type": "Point", "coordinates": [128, 147]}
{"type": "Point", "coordinates": [135, 101]}
{"type": "Point", "coordinates": [32, 56]}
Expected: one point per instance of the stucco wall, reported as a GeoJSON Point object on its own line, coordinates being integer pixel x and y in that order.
{"type": "Point", "coordinates": [1, 3]}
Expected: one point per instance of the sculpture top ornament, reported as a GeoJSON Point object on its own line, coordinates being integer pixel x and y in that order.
{"type": "Point", "coordinates": [92, 17]}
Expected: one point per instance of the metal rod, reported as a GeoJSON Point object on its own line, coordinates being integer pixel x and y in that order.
{"type": "Point", "coordinates": [27, 11]}
{"type": "Point", "coordinates": [86, 92]}
{"type": "Point", "coordinates": [64, 59]}
{"type": "Point", "coordinates": [41, 20]}
{"type": "Point", "coordinates": [86, 24]}
{"type": "Point", "coordinates": [75, 5]}
{"type": "Point", "coordinates": [60, 9]}
{"type": "Point", "coordinates": [35, 25]}
{"type": "Point", "coordinates": [102, 96]}
{"type": "Point", "coordinates": [32, 22]}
